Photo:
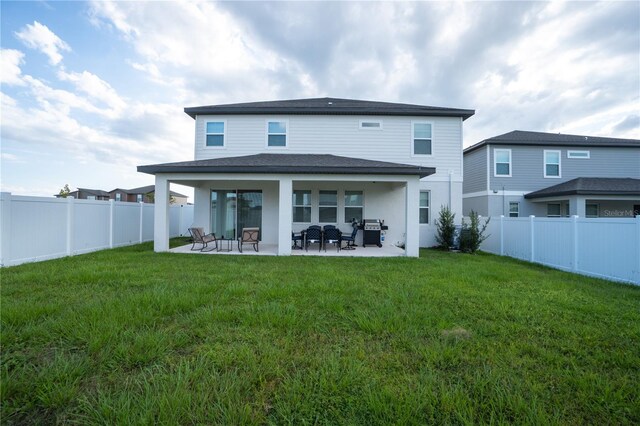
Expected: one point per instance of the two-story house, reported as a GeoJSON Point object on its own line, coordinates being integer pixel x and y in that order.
{"type": "Point", "coordinates": [546, 174]}
{"type": "Point", "coordinates": [283, 165]}
{"type": "Point", "coordinates": [144, 194]}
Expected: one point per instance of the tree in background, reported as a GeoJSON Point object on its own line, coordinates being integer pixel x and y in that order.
{"type": "Point", "coordinates": [445, 228]}
{"type": "Point", "coordinates": [65, 191]}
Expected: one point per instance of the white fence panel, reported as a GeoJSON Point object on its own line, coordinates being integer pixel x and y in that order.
{"type": "Point", "coordinates": [603, 247]}
{"type": "Point", "coordinates": [517, 238]}
{"type": "Point", "coordinates": [147, 222]}
{"type": "Point", "coordinates": [126, 223]}
{"type": "Point", "coordinates": [90, 226]}
{"type": "Point", "coordinates": [553, 242]}
{"type": "Point", "coordinates": [40, 228]}
{"type": "Point", "coordinates": [606, 248]}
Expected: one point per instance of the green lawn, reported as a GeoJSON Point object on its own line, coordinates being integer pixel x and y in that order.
{"type": "Point", "coordinates": [128, 336]}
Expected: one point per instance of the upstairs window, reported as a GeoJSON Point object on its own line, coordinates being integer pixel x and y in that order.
{"type": "Point", "coordinates": [370, 125]}
{"type": "Point", "coordinates": [277, 133]}
{"type": "Point", "coordinates": [422, 138]}
{"type": "Point", "coordinates": [328, 210]}
{"type": "Point", "coordinates": [579, 154]}
{"type": "Point", "coordinates": [353, 206]}
{"type": "Point", "coordinates": [424, 207]}
{"type": "Point", "coordinates": [215, 133]}
{"type": "Point", "coordinates": [551, 164]}
{"type": "Point", "coordinates": [302, 206]}
{"type": "Point", "coordinates": [502, 162]}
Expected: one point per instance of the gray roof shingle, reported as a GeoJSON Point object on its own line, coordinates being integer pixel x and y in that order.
{"type": "Point", "coordinates": [289, 164]}
{"type": "Point", "coordinates": [328, 106]}
{"type": "Point", "coordinates": [590, 186]}
{"type": "Point", "coordinates": [519, 137]}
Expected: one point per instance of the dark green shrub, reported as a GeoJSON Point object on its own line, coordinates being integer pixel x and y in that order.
{"type": "Point", "coordinates": [472, 234]}
{"type": "Point", "coordinates": [445, 228]}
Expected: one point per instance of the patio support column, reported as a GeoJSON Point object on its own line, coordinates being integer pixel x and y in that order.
{"type": "Point", "coordinates": [161, 215]}
{"type": "Point", "coordinates": [577, 206]}
{"type": "Point", "coordinates": [285, 216]}
{"type": "Point", "coordinates": [202, 208]}
{"type": "Point", "coordinates": [412, 240]}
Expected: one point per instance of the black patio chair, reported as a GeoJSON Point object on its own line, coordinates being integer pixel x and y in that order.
{"type": "Point", "coordinates": [350, 239]}
{"type": "Point", "coordinates": [295, 238]}
{"type": "Point", "coordinates": [331, 236]}
{"type": "Point", "coordinates": [313, 235]}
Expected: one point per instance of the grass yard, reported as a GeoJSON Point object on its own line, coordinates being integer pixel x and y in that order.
{"type": "Point", "coordinates": [128, 336]}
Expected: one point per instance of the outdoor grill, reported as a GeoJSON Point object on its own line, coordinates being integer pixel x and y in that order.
{"type": "Point", "coordinates": [371, 232]}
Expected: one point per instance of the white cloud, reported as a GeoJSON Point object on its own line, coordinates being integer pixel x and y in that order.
{"type": "Point", "coordinates": [10, 61]}
{"type": "Point", "coordinates": [40, 37]}
{"type": "Point", "coordinates": [96, 89]}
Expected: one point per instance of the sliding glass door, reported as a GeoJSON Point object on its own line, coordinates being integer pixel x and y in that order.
{"type": "Point", "coordinates": [232, 210]}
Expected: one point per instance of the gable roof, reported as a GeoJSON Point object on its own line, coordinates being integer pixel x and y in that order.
{"type": "Point", "coordinates": [519, 137]}
{"type": "Point", "coordinates": [328, 106]}
{"type": "Point", "coordinates": [96, 192]}
{"type": "Point", "coordinates": [590, 186]}
{"type": "Point", "coordinates": [289, 164]}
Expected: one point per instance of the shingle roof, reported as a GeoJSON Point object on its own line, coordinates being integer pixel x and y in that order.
{"type": "Point", "coordinates": [590, 186]}
{"type": "Point", "coordinates": [147, 189]}
{"type": "Point", "coordinates": [519, 137]}
{"type": "Point", "coordinates": [289, 164]}
{"type": "Point", "coordinates": [328, 106]}
{"type": "Point", "coordinates": [96, 192]}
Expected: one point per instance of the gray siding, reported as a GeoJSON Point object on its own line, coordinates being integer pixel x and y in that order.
{"type": "Point", "coordinates": [527, 166]}
{"type": "Point", "coordinates": [477, 204]}
{"type": "Point", "coordinates": [340, 135]}
{"type": "Point", "coordinates": [475, 171]}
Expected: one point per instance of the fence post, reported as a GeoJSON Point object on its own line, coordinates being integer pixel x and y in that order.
{"type": "Point", "coordinates": [112, 204]}
{"type": "Point", "coordinates": [575, 242]}
{"type": "Point", "coordinates": [5, 228]}
{"type": "Point", "coordinates": [70, 221]}
{"type": "Point", "coordinates": [141, 218]}
{"type": "Point", "coordinates": [501, 235]}
{"type": "Point", "coordinates": [532, 229]}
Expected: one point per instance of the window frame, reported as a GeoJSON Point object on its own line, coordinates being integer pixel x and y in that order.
{"type": "Point", "coordinates": [559, 209]}
{"type": "Point", "coordinates": [495, 162]}
{"type": "Point", "coordinates": [224, 134]}
{"type": "Point", "coordinates": [427, 207]}
{"type": "Point", "coordinates": [544, 163]}
{"type": "Point", "coordinates": [572, 154]}
{"type": "Point", "coordinates": [413, 138]}
{"type": "Point", "coordinates": [597, 210]}
{"type": "Point", "coordinates": [286, 133]}
{"type": "Point", "coordinates": [517, 212]}
{"type": "Point", "coordinates": [118, 196]}
{"type": "Point", "coordinates": [379, 122]}
{"type": "Point", "coordinates": [302, 206]}
{"type": "Point", "coordinates": [139, 198]}
{"type": "Point", "coordinates": [361, 207]}
{"type": "Point", "coordinates": [320, 205]}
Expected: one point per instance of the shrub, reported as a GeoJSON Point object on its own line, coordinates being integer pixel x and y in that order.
{"type": "Point", "coordinates": [472, 234]}
{"type": "Point", "coordinates": [445, 228]}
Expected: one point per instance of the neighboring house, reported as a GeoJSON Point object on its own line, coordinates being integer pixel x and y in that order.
{"type": "Point", "coordinates": [144, 194]}
{"type": "Point", "coordinates": [546, 174]}
{"type": "Point", "coordinates": [284, 165]}
{"type": "Point", "coordinates": [87, 194]}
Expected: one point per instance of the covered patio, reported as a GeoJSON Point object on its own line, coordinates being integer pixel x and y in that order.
{"type": "Point", "coordinates": [285, 193]}
{"type": "Point", "coordinates": [387, 250]}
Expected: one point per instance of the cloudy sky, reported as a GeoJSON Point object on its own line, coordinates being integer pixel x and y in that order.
{"type": "Point", "coordinates": [91, 90]}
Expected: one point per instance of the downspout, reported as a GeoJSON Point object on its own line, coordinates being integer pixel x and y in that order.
{"type": "Point", "coordinates": [450, 187]}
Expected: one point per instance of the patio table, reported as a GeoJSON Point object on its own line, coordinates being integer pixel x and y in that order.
{"type": "Point", "coordinates": [225, 247]}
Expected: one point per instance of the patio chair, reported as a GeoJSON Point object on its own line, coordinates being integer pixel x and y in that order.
{"type": "Point", "coordinates": [313, 235]}
{"type": "Point", "coordinates": [295, 238]}
{"type": "Point", "coordinates": [332, 236]}
{"type": "Point", "coordinates": [199, 237]}
{"type": "Point", "coordinates": [350, 239]}
{"type": "Point", "coordinates": [249, 236]}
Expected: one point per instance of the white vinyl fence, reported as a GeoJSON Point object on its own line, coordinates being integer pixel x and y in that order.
{"type": "Point", "coordinates": [40, 228]}
{"type": "Point", "coordinates": [601, 247]}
